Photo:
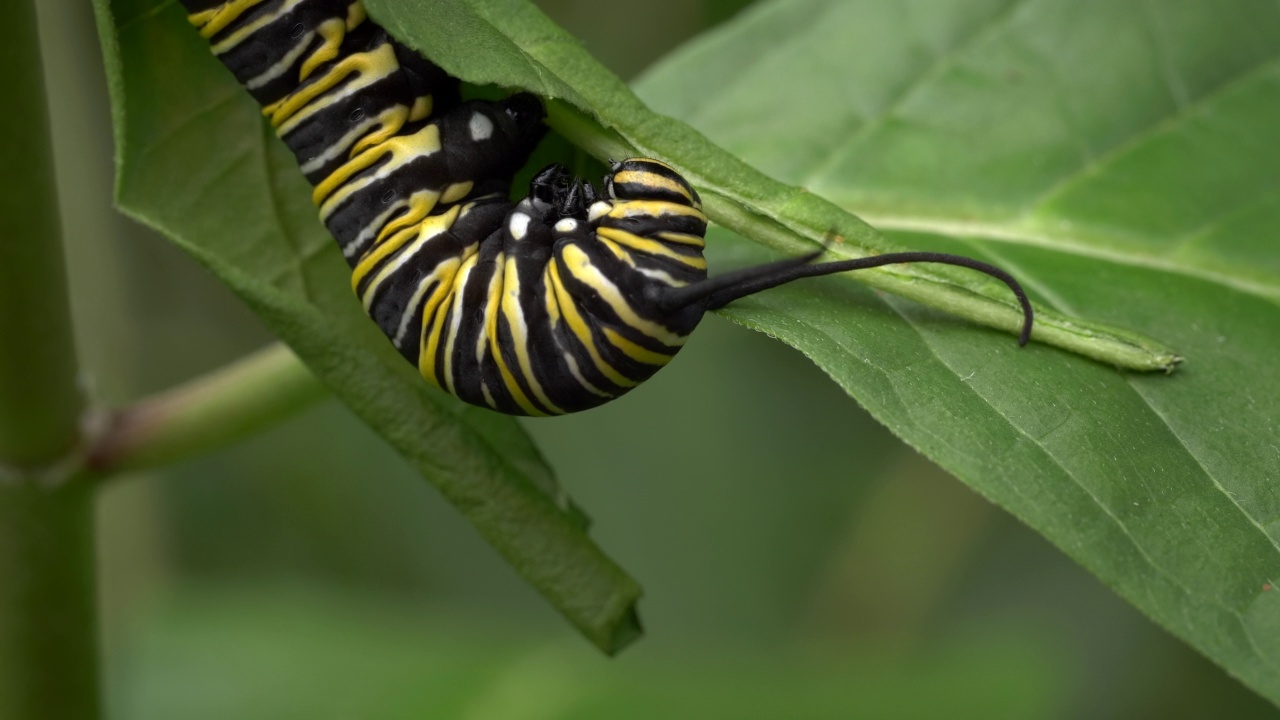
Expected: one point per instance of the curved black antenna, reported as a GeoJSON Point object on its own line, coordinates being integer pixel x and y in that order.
{"type": "Point", "coordinates": [721, 290]}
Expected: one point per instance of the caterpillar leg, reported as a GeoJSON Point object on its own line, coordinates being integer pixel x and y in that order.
{"type": "Point", "coordinates": [565, 195]}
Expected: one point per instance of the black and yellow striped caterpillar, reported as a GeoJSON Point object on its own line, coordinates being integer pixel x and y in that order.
{"type": "Point", "coordinates": [557, 303]}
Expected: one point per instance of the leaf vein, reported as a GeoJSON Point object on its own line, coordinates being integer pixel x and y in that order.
{"type": "Point", "coordinates": [1012, 234]}
{"type": "Point", "coordinates": [297, 250]}
{"type": "Point", "coordinates": [940, 65]}
{"type": "Point", "coordinates": [1158, 125]}
{"type": "Point", "coordinates": [1063, 305]}
{"type": "Point", "coordinates": [1106, 511]}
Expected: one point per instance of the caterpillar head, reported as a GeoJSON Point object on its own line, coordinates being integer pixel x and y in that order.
{"type": "Point", "coordinates": [563, 195]}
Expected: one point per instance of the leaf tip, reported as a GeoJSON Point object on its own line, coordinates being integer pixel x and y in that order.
{"type": "Point", "coordinates": [1169, 362]}
{"type": "Point", "coordinates": [627, 630]}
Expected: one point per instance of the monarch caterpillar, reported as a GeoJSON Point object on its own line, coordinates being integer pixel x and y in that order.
{"type": "Point", "coordinates": [553, 304]}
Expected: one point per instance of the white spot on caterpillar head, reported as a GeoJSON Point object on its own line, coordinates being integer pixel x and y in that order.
{"type": "Point", "coordinates": [519, 225]}
{"type": "Point", "coordinates": [566, 225]}
{"type": "Point", "coordinates": [598, 210]}
{"type": "Point", "coordinates": [481, 127]}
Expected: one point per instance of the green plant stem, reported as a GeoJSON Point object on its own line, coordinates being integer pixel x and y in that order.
{"type": "Point", "coordinates": [1121, 348]}
{"type": "Point", "coordinates": [38, 395]}
{"type": "Point", "coordinates": [48, 624]}
{"type": "Point", "coordinates": [48, 632]}
{"type": "Point", "coordinates": [208, 412]}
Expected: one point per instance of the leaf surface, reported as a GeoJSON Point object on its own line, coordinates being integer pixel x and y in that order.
{"type": "Point", "coordinates": [1122, 160]}
{"type": "Point", "coordinates": [1119, 158]}
{"type": "Point", "coordinates": [510, 43]}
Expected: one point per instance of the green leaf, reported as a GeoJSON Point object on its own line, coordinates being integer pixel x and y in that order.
{"type": "Point", "coordinates": [510, 43]}
{"type": "Point", "coordinates": [1119, 158]}
{"type": "Point", "coordinates": [197, 162]}
{"type": "Point", "coordinates": [1122, 160]}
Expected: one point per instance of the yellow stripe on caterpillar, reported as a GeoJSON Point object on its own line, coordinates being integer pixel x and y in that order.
{"type": "Point", "coordinates": [650, 247]}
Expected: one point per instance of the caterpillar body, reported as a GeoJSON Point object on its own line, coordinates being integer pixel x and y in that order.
{"type": "Point", "coordinates": [553, 304]}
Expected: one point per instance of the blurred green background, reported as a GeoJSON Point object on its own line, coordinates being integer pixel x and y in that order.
{"type": "Point", "coordinates": [798, 560]}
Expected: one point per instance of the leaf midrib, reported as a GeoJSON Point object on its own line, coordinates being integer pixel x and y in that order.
{"type": "Point", "coordinates": [1040, 239]}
